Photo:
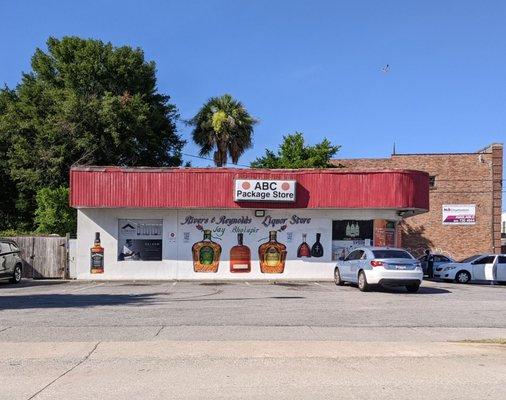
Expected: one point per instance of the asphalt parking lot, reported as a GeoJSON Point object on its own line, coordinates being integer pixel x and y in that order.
{"type": "Point", "coordinates": [39, 310]}
{"type": "Point", "coordinates": [150, 340]}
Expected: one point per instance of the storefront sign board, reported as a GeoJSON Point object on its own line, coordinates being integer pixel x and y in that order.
{"type": "Point", "coordinates": [264, 190]}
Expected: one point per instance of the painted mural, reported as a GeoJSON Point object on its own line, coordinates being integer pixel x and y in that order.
{"type": "Point", "coordinates": [248, 243]}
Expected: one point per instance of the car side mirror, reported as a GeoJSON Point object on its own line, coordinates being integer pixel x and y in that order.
{"type": "Point", "coordinates": [341, 258]}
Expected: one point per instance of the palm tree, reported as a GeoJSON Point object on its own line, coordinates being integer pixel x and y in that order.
{"type": "Point", "coordinates": [225, 126]}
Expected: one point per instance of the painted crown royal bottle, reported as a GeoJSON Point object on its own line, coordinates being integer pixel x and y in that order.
{"type": "Point", "coordinates": [97, 256]}
{"type": "Point", "coordinates": [206, 254]}
{"type": "Point", "coordinates": [272, 255]}
{"type": "Point", "coordinates": [240, 256]}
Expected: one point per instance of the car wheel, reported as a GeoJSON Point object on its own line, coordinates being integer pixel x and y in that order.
{"type": "Point", "coordinates": [337, 278]}
{"type": "Point", "coordinates": [413, 288]}
{"type": "Point", "coordinates": [363, 286]}
{"type": "Point", "coordinates": [462, 277]}
{"type": "Point", "coordinates": [16, 276]}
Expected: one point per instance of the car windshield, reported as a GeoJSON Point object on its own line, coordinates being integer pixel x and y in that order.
{"type": "Point", "coordinates": [391, 254]}
{"type": "Point", "coordinates": [470, 259]}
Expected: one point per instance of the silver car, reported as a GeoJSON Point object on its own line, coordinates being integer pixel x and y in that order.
{"type": "Point", "coordinates": [369, 266]}
{"type": "Point", "coordinates": [11, 264]}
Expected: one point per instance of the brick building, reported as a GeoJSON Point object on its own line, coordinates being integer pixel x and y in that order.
{"type": "Point", "coordinates": [503, 233]}
{"type": "Point", "coordinates": [455, 179]}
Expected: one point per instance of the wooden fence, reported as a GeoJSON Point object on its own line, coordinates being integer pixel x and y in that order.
{"type": "Point", "coordinates": [43, 256]}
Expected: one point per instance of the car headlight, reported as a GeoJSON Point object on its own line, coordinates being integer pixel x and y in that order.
{"type": "Point", "coordinates": [449, 268]}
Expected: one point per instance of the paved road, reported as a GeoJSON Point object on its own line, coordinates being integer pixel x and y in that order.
{"type": "Point", "coordinates": [116, 340]}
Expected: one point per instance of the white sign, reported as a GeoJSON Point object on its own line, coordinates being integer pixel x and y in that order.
{"type": "Point", "coordinates": [459, 214]}
{"type": "Point", "coordinates": [264, 190]}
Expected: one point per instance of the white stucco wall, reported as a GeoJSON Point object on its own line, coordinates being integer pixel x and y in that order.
{"type": "Point", "coordinates": [176, 260]}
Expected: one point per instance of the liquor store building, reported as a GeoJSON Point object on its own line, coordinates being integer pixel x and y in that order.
{"type": "Point", "coordinates": [227, 223]}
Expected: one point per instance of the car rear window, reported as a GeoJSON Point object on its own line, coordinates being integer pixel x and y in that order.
{"type": "Point", "coordinates": [391, 254]}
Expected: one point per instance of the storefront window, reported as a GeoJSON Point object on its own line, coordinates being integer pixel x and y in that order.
{"type": "Point", "coordinates": [140, 239]}
{"type": "Point", "coordinates": [349, 234]}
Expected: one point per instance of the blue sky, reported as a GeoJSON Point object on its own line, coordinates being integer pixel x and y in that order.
{"type": "Point", "coordinates": [310, 66]}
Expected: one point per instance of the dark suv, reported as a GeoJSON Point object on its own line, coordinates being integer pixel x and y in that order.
{"type": "Point", "coordinates": [11, 263]}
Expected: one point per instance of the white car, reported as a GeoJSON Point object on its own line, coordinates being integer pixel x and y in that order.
{"type": "Point", "coordinates": [481, 267]}
{"type": "Point", "coordinates": [368, 266]}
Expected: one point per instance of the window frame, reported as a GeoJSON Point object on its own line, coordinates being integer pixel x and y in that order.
{"type": "Point", "coordinates": [478, 261]}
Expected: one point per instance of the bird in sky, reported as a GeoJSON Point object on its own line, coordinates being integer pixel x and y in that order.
{"type": "Point", "coordinates": [386, 69]}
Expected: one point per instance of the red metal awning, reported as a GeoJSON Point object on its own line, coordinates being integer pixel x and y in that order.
{"type": "Point", "coordinates": [116, 187]}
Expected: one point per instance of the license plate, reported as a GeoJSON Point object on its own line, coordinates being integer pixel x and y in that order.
{"type": "Point", "coordinates": [400, 267]}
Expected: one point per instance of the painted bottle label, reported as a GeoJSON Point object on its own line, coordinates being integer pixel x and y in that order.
{"type": "Point", "coordinates": [206, 256]}
{"type": "Point", "coordinates": [97, 260]}
{"type": "Point", "coordinates": [272, 257]}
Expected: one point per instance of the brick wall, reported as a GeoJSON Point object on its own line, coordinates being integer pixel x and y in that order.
{"type": "Point", "coordinates": [464, 178]}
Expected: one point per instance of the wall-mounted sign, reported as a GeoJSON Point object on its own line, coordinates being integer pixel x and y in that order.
{"type": "Point", "coordinates": [264, 190]}
{"type": "Point", "coordinates": [459, 214]}
{"type": "Point", "coordinates": [140, 239]}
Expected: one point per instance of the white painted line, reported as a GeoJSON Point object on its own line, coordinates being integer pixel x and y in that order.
{"type": "Point", "coordinates": [174, 284]}
{"type": "Point", "coordinates": [86, 287]}
{"type": "Point", "coordinates": [247, 283]}
{"type": "Point", "coordinates": [317, 284]}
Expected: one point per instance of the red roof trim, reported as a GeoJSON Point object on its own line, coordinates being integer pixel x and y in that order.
{"type": "Point", "coordinates": [116, 187]}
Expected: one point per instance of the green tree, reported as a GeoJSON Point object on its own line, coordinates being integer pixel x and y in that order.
{"type": "Point", "coordinates": [294, 153]}
{"type": "Point", "coordinates": [84, 102]}
{"type": "Point", "coordinates": [8, 193]}
{"type": "Point", "coordinates": [224, 126]}
{"type": "Point", "coordinates": [53, 213]}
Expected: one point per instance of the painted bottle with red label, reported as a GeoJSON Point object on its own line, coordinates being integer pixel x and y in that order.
{"type": "Point", "coordinates": [303, 250]}
{"type": "Point", "coordinates": [240, 256]}
{"type": "Point", "coordinates": [97, 256]}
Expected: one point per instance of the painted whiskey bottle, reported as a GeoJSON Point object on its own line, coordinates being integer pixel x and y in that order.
{"type": "Point", "coordinates": [240, 256]}
{"type": "Point", "coordinates": [303, 250]}
{"type": "Point", "coordinates": [97, 256]}
{"type": "Point", "coordinates": [206, 254]}
{"type": "Point", "coordinates": [317, 249]}
{"type": "Point", "coordinates": [272, 255]}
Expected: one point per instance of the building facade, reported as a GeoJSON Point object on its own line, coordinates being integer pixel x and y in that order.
{"type": "Point", "coordinates": [465, 200]}
{"type": "Point", "coordinates": [503, 233]}
{"type": "Point", "coordinates": [225, 224]}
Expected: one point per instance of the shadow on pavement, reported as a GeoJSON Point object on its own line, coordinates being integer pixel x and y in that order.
{"type": "Point", "coordinates": [34, 301]}
{"type": "Point", "coordinates": [71, 300]}
{"type": "Point", "coordinates": [422, 290]}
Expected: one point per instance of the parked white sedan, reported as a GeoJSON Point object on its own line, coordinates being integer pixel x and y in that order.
{"type": "Point", "coordinates": [481, 267]}
{"type": "Point", "coordinates": [370, 266]}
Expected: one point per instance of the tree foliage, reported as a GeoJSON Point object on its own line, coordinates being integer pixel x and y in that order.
{"type": "Point", "coordinates": [293, 153]}
{"type": "Point", "coordinates": [84, 102]}
{"type": "Point", "coordinates": [53, 213]}
{"type": "Point", "coordinates": [224, 126]}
